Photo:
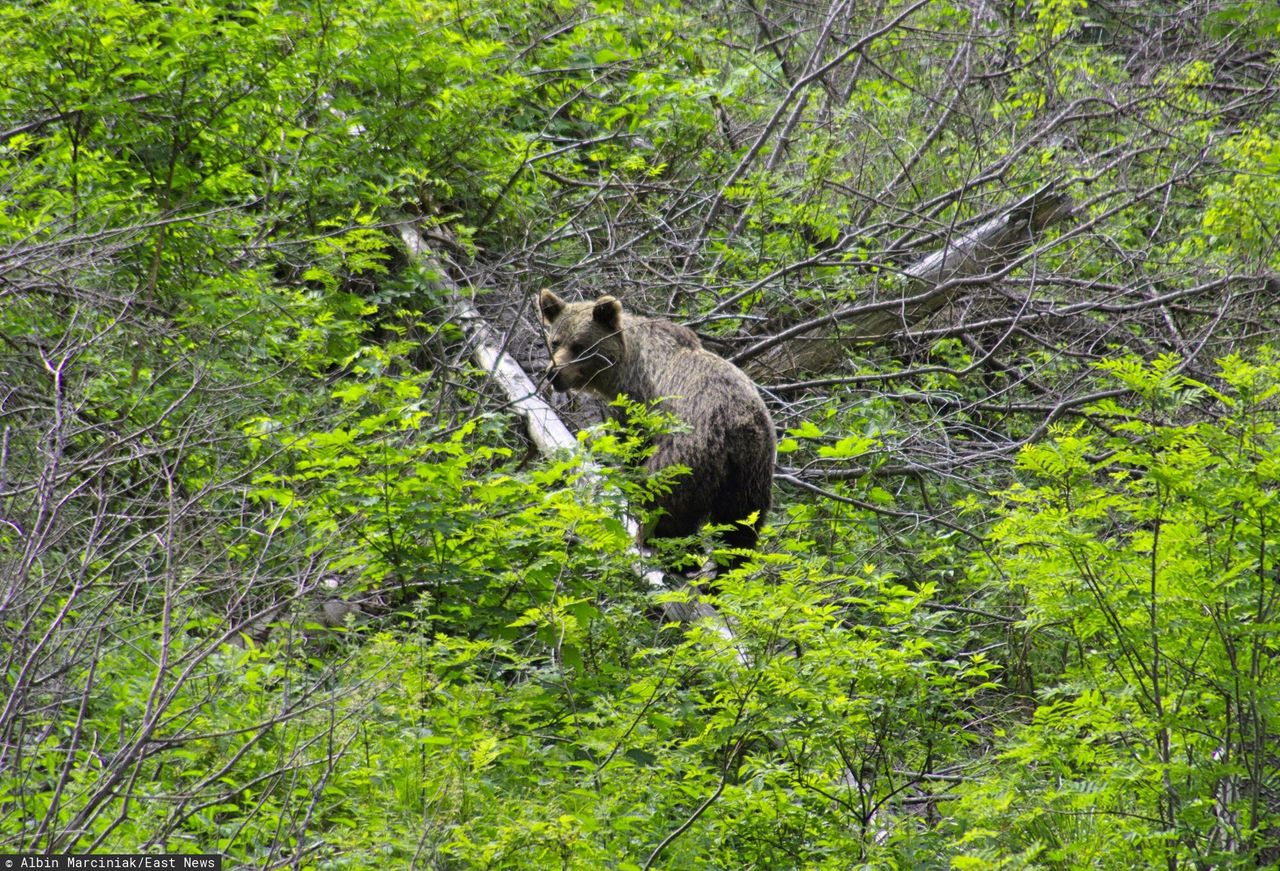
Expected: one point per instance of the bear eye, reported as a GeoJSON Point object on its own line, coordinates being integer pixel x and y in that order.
{"type": "Point", "coordinates": [555, 344]}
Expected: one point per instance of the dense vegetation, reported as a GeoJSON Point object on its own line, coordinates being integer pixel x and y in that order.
{"type": "Point", "coordinates": [281, 578]}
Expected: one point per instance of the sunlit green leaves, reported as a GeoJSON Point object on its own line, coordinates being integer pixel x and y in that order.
{"type": "Point", "coordinates": [1144, 555]}
{"type": "Point", "coordinates": [1239, 219]}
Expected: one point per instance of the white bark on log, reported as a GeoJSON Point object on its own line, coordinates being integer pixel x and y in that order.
{"type": "Point", "coordinates": [547, 431]}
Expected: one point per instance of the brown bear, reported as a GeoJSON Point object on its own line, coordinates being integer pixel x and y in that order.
{"type": "Point", "coordinates": [728, 442]}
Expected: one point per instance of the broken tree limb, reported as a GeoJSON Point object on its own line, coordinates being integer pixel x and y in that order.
{"type": "Point", "coordinates": [976, 257]}
{"type": "Point", "coordinates": [547, 432]}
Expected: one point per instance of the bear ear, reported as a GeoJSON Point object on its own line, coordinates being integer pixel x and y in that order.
{"type": "Point", "coordinates": [550, 305]}
{"type": "Point", "coordinates": [607, 312]}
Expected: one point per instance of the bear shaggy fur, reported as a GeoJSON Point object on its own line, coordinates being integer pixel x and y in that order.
{"type": "Point", "coordinates": [729, 443]}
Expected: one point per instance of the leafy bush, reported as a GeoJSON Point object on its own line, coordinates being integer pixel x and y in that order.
{"type": "Point", "coordinates": [1144, 556]}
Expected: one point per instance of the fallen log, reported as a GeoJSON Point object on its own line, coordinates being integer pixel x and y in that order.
{"type": "Point", "coordinates": [982, 255]}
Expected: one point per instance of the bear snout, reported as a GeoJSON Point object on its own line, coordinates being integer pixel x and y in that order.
{"type": "Point", "coordinates": [555, 375]}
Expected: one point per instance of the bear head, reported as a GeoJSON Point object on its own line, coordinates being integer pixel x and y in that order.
{"type": "Point", "coordinates": [586, 342]}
